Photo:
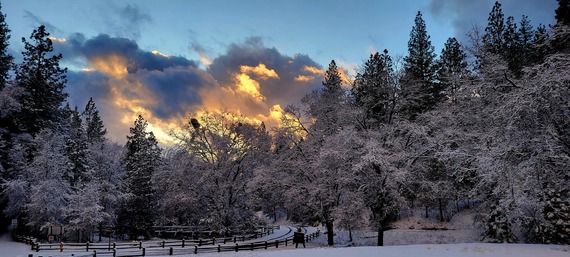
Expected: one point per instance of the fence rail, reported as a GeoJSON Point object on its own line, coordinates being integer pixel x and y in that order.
{"type": "Point", "coordinates": [178, 247]}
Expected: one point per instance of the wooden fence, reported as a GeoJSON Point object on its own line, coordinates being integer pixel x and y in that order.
{"type": "Point", "coordinates": [177, 247]}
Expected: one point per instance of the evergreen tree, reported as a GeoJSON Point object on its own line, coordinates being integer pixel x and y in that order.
{"type": "Point", "coordinates": [512, 48]}
{"type": "Point", "coordinates": [563, 12]}
{"type": "Point", "coordinates": [76, 151]}
{"type": "Point", "coordinates": [374, 89]}
{"type": "Point", "coordinates": [8, 106]}
{"type": "Point", "coordinates": [494, 40]}
{"type": "Point", "coordinates": [419, 89]}
{"type": "Point", "coordinates": [324, 106]}
{"type": "Point", "coordinates": [451, 67]}
{"type": "Point", "coordinates": [95, 131]}
{"type": "Point", "coordinates": [141, 161]}
{"type": "Point", "coordinates": [539, 47]}
{"type": "Point", "coordinates": [43, 82]}
{"type": "Point", "coordinates": [5, 58]}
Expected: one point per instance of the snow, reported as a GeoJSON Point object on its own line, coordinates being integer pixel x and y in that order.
{"type": "Point", "coordinates": [13, 249]}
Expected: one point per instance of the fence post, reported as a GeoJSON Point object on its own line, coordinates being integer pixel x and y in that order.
{"type": "Point", "coordinates": [199, 241]}
{"type": "Point", "coordinates": [195, 249]}
{"type": "Point", "coordinates": [30, 255]}
{"type": "Point", "coordinates": [214, 241]}
{"type": "Point", "coordinates": [114, 245]}
{"type": "Point", "coordinates": [114, 253]}
{"type": "Point", "coordinates": [265, 245]}
{"type": "Point", "coordinates": [235, 239]}
{"type": "Point", "coordinates": [140, 245]}
{"type": "Point", "coordinates": [237, 247]}
{"type": "Point", "coordinates": [171, 252]}
{"type": "Point", "coordinates": [94, 253]}
{"type": "Point", "coordinates": [183, 243]}
{"type": "Point", "coordinates": [163, 243]}
{"type": "Point", "coordinates": [219, 248]}
{"type": "Point", "coordinates": [144, 251]}
{"type": "Point", "coordinates": [286, 241]}
{"type": "Point", "coordinates": [252, 246]}
{"type": "Point", "coordinates": [87, 247]}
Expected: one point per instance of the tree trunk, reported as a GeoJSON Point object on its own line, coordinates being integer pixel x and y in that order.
{"type": "Point", "coordinates": [330, 232]}
{"type": "Point", "coordinates": [349, 235]}
{"type": "Point", "coordinates": [440, 210]}
{"type": "Point", "coordinates": [380, 235]}
{"type": "Point", "coordinates": [427, 216]}
{"type": "Point", "coordinates": [100, 231]}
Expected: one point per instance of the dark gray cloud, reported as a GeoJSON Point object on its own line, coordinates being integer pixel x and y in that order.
{"type": "Point", "coordinates": [170, 84]}
{"type": "Point", "coordinates": [177, 89]}
{"type": "Point", "coordinates": [83, 85]}
{"type": "Point", "coordinates": [464, 14]}
{"type": "Point", "coordinates": [103, 45]}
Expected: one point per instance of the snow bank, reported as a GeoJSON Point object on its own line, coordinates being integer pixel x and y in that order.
{"type": "Point", "coordinates": [454, 250]}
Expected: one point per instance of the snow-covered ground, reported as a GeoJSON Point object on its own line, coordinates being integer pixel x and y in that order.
{"type": "Point", "coordinates": [11, 249]}
{"type": "Point", "coordinates": [413, 236]}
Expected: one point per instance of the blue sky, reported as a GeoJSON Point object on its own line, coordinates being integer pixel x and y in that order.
{"type": "Point", "coordinates": [215, 42]}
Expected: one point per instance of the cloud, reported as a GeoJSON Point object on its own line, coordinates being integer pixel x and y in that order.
{"type": "Point", "coordinates": [125, 80]}
{"type": "Point", "coordinates": [254, 78]}
{"type": "Point", "coordinates": [123, 21]}
{"type": "Point", "coordinates": [37, 21]}
{"type": "Point", "coordinates": [464, 14]}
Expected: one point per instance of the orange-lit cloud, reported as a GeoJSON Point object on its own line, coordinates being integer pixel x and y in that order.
{"type": "Point", "coordinates": [304, 78]}
{"type": "Point", "coordinates": [59, 40]}
{"type": "Point", "coordinates": [260, 70]}
{"type": "Point", "coordinates": [125, 81]}
{"type": "Point", "coordinates": [113, 65]}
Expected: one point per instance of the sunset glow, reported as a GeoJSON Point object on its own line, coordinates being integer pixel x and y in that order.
{"type": "Point", "coordinates": [219, 57]}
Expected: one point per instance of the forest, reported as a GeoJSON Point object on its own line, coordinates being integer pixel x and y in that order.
{"type": "Point", "coordinates": [484, 124]}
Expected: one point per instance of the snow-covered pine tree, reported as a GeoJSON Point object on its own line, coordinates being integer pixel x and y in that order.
{"type": "Point", "coordinates": [140, 162]}
{"type": "Point", "coordinates": [85, 212]}
{"type": "Point", "coordinates": [49, 192]}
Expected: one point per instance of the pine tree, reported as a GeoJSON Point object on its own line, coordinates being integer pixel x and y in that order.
{"type": "Point", "coordinates": [451, 67]}
{"type": "Point", "coordinates": [324, 106]}
{"type": "Point", "coordinates": [512, 48]}
{"type": "Point", "coordinates": [418, 89]}
{"type": "Point", "coordinates": [141, 161]}
{"type": "Point", "coordinates": [563, 12]}
{"type": "Point", "coordinates": [5, 58]}
{"type": "Point", "coordinates": [76, 151]}
{"type": "Point", "coordinates": [374, 89]}
{"type": "Point", "coordinates": [7, 109]}
{"type": "Point", "coordinates": [43, 82]}
{"type": "Point", "coordinates": [94, 128]}
{"type": "Point", "coordinates": [494, 40]}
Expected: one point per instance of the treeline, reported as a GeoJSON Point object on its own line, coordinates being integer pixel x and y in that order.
{"type": "Point", "coordinates": [422, 131]}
